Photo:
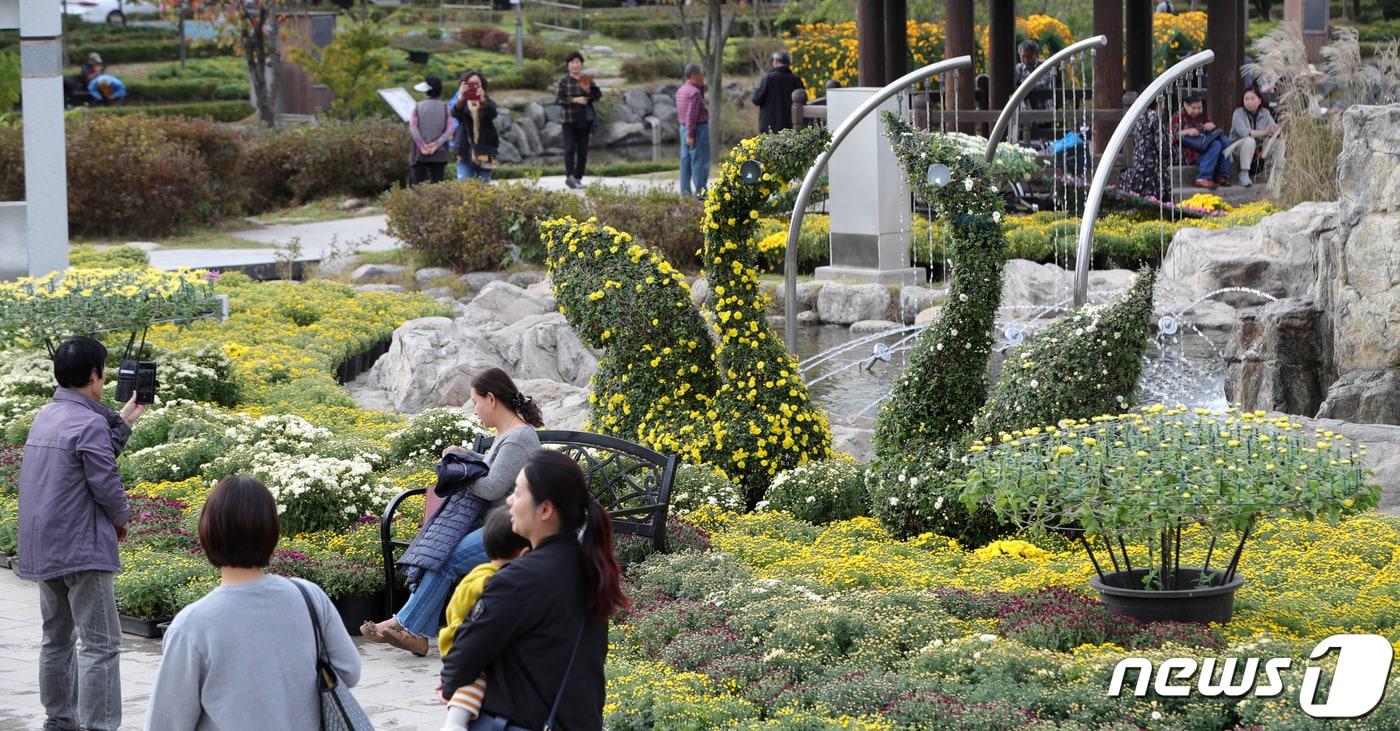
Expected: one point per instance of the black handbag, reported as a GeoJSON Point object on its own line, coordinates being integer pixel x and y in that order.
{"type": "Point", "coordinates": [339, 709]}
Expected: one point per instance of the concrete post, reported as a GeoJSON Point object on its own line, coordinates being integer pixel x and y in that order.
{"type": "Point", "coordinates": [45, 149]}
{"type": "Point", "coordinates": [870, 218]}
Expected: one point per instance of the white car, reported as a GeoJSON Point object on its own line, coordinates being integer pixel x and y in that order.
{"type": "Point", "coordinates": [108, 11]}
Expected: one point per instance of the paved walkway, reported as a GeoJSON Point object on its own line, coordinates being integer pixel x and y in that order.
{"type": "Point", "coordinates": [321, 238]}
{"type": "Point", "coordinates": [396, 689]}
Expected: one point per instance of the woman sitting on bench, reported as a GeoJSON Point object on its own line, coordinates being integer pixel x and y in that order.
{"type": "Point", "coordinates": [446, 547]}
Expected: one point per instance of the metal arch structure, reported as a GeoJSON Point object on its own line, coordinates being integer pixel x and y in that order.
{"type": "Point", "coordinates": [1044, 69]}
{"type": "Point", "coordinates": [1084, 252]}
{"type": "Point", "coordinates": [809, 183]}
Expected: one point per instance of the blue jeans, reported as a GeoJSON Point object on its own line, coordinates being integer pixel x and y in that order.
{"type": "Point", "coordinates": [80, 687]}
{"type": "Point", "coordinates": [467, 169]}
{"type": "Point", "coordinates": [1213, 163]}
{"type": "Point", "coordinates": [420, 614]}
{"type": "Point", "coordinates": [695, 161]}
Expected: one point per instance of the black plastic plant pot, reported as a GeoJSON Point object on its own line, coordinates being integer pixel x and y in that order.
{"type": "Point", "coordinates": [1122, 592]}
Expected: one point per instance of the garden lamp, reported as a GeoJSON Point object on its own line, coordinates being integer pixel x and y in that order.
{"type": "Point", "coordinates": [751, 172]}
{"type": "Point", "coordinates": [939, 174]}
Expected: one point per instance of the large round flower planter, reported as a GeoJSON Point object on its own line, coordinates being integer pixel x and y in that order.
{"type": "Point", "coordinates": [1122, 592]}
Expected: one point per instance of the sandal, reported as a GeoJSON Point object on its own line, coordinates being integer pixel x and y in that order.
{"type": "Point", "coordinates": [370, 631]}
{"type": "Point", "coordinates": [404, 640]}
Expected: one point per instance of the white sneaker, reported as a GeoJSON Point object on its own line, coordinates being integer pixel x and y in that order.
{"type": "Point", "coordinates": [1244, 179]}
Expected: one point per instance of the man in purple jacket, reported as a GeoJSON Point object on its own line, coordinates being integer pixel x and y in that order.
{"type": "Point", "coordinates": [72, 513]}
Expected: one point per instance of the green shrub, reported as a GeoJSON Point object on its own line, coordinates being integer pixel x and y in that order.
{"type": "Point", "coordinates": [1080, 366]}
{"type": "Point", "coordinates": [821, 492]}
{"type": "Point", "coordinates": [170, 461]}
{"type": "Point", "coordinates": [142, 183]}
{"type": "Point", "coordinates": [428, 433]}
{"type": "Point", "coordinates": [142, 51]}
{"type": "Point", "coordinates": [289, 167]}
{"type": "Point", "coordinates": [219, 111]}
{"type": "Point", "coordinates": [185, 91]}
{"type": "Point", "coordinates": [699, 485]}
{"type": "Point", "coordinates": [474, 226]}
{"type": "Point", "coordinates": [115, 257]}
{"type": "Point", "coordinates": [637, 70]}
{"type": "Point", "coordinates": [655, 217]}
{"type": "Point", "coordinates": [9, 82]}
{"type": "Point", "coordinates": [151, 587]}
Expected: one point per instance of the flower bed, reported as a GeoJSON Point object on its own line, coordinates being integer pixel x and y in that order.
{"type": "Point", "coordinates": [268, 406]}
{"type": "Point", "coordinates": [788, 625]}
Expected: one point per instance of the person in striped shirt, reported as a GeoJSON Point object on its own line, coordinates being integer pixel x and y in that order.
{"type": "Point", "coordinates": [502, 545]}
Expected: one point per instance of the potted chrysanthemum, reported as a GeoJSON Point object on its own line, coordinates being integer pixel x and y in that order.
{"type": "Point", "coordinates": [1183, 483]}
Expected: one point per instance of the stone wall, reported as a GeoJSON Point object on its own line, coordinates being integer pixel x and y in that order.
{"type": "Point", "coordinates": [1331, 346]}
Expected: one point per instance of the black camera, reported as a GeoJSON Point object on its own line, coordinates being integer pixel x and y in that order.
{"type": "Point", "coordinates": [139, 377]}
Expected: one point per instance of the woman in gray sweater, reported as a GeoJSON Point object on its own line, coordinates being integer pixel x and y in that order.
{"type": "Point", "coordinates": [446, 547]}
{"type": "Point", "coordinates": [1252, 129]}
{"type": "Point", "coordinates": [258, 671]}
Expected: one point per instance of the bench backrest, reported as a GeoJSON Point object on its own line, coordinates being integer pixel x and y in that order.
{"type": "Point", "coordinates": [632, 482]}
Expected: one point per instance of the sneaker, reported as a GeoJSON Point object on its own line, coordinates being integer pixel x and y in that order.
{"type": "Point", "coordinates": [1244, 179]}
{"type": "Point", "coordinates": [1206, 183]}
{"type": "Point", "coordinates": [572, 182]}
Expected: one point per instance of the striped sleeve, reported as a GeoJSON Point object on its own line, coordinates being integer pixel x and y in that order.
{"type": "Point", "coordinates": [470, 697]}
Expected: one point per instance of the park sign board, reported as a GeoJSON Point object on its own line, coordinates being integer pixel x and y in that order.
{"type": "Point", "coordinates": [399, 100]}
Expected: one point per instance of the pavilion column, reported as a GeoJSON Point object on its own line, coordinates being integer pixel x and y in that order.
{"type": "Point", "coordinates": [1225, 36]}
{"type": "Point", "coordinates": [1001, 53]}
{"type": "Point", "coordinates": [960, 40]}
{"type": "Point", "coordinates": [896, 19]}
{"type": "Point", "coordinates": [870, 32]}
{"type": "Point", "coordinates": [1108, 66]}
{"type": "Point", "coordinates": [1137, 32]}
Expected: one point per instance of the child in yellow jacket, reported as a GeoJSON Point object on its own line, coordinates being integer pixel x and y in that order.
{"type": "Point", "coordinates": [502, 545]}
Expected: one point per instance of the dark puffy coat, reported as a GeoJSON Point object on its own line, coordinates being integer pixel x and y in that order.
{"type": "Point", "coordinates": [490, 141]}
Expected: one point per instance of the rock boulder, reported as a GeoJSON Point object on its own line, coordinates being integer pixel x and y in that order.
{"type": "Point", "coordinates": [844, 304]}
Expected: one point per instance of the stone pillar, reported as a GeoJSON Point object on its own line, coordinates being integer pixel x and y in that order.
{"type": "Point", "coordinates": [1001, 53]}
{"type": "Point", "coordinates": [870, 32]}
{"type": "Point", "coordinates": [1108, 66]}
{"type": "Point", "coordinates": [870, 218]}
{"type": "Point", "coordinates": [45, 212]}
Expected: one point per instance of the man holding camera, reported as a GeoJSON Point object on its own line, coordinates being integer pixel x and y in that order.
{"type": "Point", "coordinates": [72, 513]}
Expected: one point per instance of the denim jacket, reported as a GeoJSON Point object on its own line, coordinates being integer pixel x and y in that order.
{"type": "Point", "coordinates": [71, 499]}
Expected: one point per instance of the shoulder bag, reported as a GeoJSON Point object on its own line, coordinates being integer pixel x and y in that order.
{"type": "Point", "coordinates": [339, 709]}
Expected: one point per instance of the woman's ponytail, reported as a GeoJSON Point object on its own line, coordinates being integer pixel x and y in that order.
{"type": "Point", "coordinates": [606, 573]}
{"type": "Point", "coordinates": [557, 478]}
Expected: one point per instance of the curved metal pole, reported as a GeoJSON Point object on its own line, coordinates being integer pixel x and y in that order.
{"type": "Point", "coordinates": [810, 181]}
{"type": "Point", "coordinates": [1024, 90]}
{"type": "Point", "coordinates": [1084, 253]}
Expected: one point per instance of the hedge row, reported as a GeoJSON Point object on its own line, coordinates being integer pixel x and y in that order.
{"type": "Point", "coordinates": [151, 175]}
{"type": "Point", "coordinates": [475, 227]}
{"type": "Point", "coordinates": [181, 90]}
{"type": "Point", "coordinates": [219, 111]}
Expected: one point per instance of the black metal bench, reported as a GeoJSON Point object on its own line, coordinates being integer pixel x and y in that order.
{"type": "Point", "coordinates": [632, 482]}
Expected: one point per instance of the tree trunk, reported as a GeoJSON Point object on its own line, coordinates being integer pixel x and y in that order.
{"type": "Point", "coordinates": [716, 35]}
{"type": "Point", "coordinates": [259, 33]}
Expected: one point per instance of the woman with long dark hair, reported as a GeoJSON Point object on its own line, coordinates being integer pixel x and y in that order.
{"type": "Point", "coordinates": [477, 140]}
{"type": "Point", "coordinates": [540, 628]}
{"type": "Point", "coordinates": [450, 543]}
